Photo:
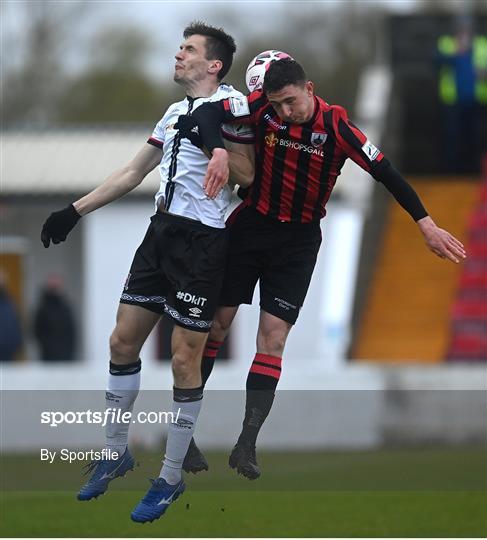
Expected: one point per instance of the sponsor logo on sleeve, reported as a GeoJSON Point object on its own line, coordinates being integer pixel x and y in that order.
{"type": "Point", "coordinates": [370, 150]}
{"type": "Point", "coordinates": [239, 106]}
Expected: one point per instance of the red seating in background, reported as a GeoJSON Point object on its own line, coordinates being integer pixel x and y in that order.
{"type": "Point", "coordinates": [474, 279]}
{"type": "Point", "coordinates": [468, 347]}
{"type": "Point", "coordinates": [470, 309]}
{"type": "Point", "coordinates": [469, 312]}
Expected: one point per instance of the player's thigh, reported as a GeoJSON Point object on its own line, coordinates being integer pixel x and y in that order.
{"type": "Point", "coordinates": [193, 261]}
{"type": "Point", "coordinates": [241, 275]}
{"type": "Point", "coordinates": [146, 285]}
{"type": "Point", "coordinates": [246, 259]}
{"type": "Point", "coordinates": [285, 283]}
{"type": "Point", "coordinates": [134, 324]}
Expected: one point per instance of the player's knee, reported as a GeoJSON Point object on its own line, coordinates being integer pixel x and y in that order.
{"type": "Point", "coordinates": [122, 348]}
{"type": "Point", "coordinates": [271, 343]}
{"type": "Point", "coordinates": [219, 330]}
{"type": "Point", "coordinates": [184, 368]}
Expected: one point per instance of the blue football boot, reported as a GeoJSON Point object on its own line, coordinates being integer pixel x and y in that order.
{"type": "Point", "coordinates": [104, 471]}
{"type": "Point", "coordinates": [157, 500]}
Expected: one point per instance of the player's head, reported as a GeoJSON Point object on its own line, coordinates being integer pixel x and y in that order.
{"type": "Point", "coordinates": [289, 91]}
{"type": "Point", "coordinates": [206, 52]}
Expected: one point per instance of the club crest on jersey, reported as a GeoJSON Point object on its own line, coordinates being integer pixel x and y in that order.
{"type": "Point", "coordinates": [271, 140]}
{"type": "Point", "coordinates": [318, 139]}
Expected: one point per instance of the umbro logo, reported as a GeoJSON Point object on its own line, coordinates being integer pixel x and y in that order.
{"type": "Point", "coordinates": [195, 311]}
{"type": "Point", "coordinates": [183, 423]}
{"type": "Point", "coordinates": [110, 396]}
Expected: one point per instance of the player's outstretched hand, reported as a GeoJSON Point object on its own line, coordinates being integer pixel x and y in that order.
{"type": "Point", "coordinates": [188, 129]}
{"type": "Point", "coordinates": [217, 173]}
{"type": "Point", "coordinates": [58, 225]}
{"type": "Point", "coordinates": [441, 242]}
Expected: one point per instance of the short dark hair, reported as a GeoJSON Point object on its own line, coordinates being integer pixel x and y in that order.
{"type": "Point", "coordinates": [219, 44]}
{"type": "Point", "coordinates": [281, 73]}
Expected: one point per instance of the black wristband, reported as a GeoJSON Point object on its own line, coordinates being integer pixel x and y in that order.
{"type": "Point", "coordinates": [403, 192]}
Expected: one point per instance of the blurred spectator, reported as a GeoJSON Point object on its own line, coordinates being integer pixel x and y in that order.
{"type": "Point", "coordinates": [10, 332]}
{"type": "Point", "coordinates": [463, 91]}
{"type": "Point", "coordinates": [54, 323]}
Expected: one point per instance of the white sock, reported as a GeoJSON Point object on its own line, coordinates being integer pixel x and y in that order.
{"type": "Point", "coordinates": [186, 408]}
{"type": "Point", "coordinates": [123, 388]}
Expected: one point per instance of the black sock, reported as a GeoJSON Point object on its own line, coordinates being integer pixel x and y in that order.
{"type": "Point", "coordinates": [261, 386]}
{"type": "Point", "coordinates": [208, 360]}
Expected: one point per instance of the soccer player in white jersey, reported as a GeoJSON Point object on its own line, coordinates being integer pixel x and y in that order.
{"type": "Point", "coordinates": [178, 268]}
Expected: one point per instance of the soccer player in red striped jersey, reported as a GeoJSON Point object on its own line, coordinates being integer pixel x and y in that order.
{"type": "Point", "coordinates": [301, 144]}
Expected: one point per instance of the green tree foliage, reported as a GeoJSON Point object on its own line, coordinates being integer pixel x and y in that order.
{"type": "Point", "coordinates": [112, 85]}
{"type": "Point", "coordinates": [103, 96]}
{"type": "Point", "coordinates": [114, 88]}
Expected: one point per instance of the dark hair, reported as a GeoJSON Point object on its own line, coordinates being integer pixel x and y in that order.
{"type": "Point", "coordinates": [281, 73]}
{"type": "Point", "coordinates": [219, 44]}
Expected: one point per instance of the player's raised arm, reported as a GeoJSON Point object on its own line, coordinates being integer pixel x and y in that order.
{"type": "Point", "coordinates": [440, 242]}
{"type": "Point", "coordinates": [206, 121]}
{"type": "Point", "coordinates": [59, 224]}
{"type": "Point", "coordinates": [358, 147]}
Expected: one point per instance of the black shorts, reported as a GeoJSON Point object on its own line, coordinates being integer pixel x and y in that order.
{"type": "Point", "coordinates": [178, 271]}
{"type": "Point", "coordinates": [281, 256]}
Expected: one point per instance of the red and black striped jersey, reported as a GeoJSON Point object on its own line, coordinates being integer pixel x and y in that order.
{"type": "Point", "coordinates": [297, 165]}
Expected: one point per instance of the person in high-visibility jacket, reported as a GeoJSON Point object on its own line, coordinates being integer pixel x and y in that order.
{"type": "Point", "coordinates": [462, 92]}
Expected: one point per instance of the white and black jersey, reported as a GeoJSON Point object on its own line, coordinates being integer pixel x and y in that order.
{"type": "Point", "coordinates": [183, 166]}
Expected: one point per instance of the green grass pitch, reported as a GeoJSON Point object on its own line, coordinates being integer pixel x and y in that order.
{"type": "Point", "coordinates": [394, 493]}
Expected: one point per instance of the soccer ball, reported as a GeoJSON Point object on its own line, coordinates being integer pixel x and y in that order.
{"type": "Point", "coordinates": [254, 76]}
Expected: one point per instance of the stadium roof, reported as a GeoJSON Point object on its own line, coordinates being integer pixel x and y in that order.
{"type": "Point", "coordinates": [65, 161]}
{"type": "Point", "coordinates": [54, 162]}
